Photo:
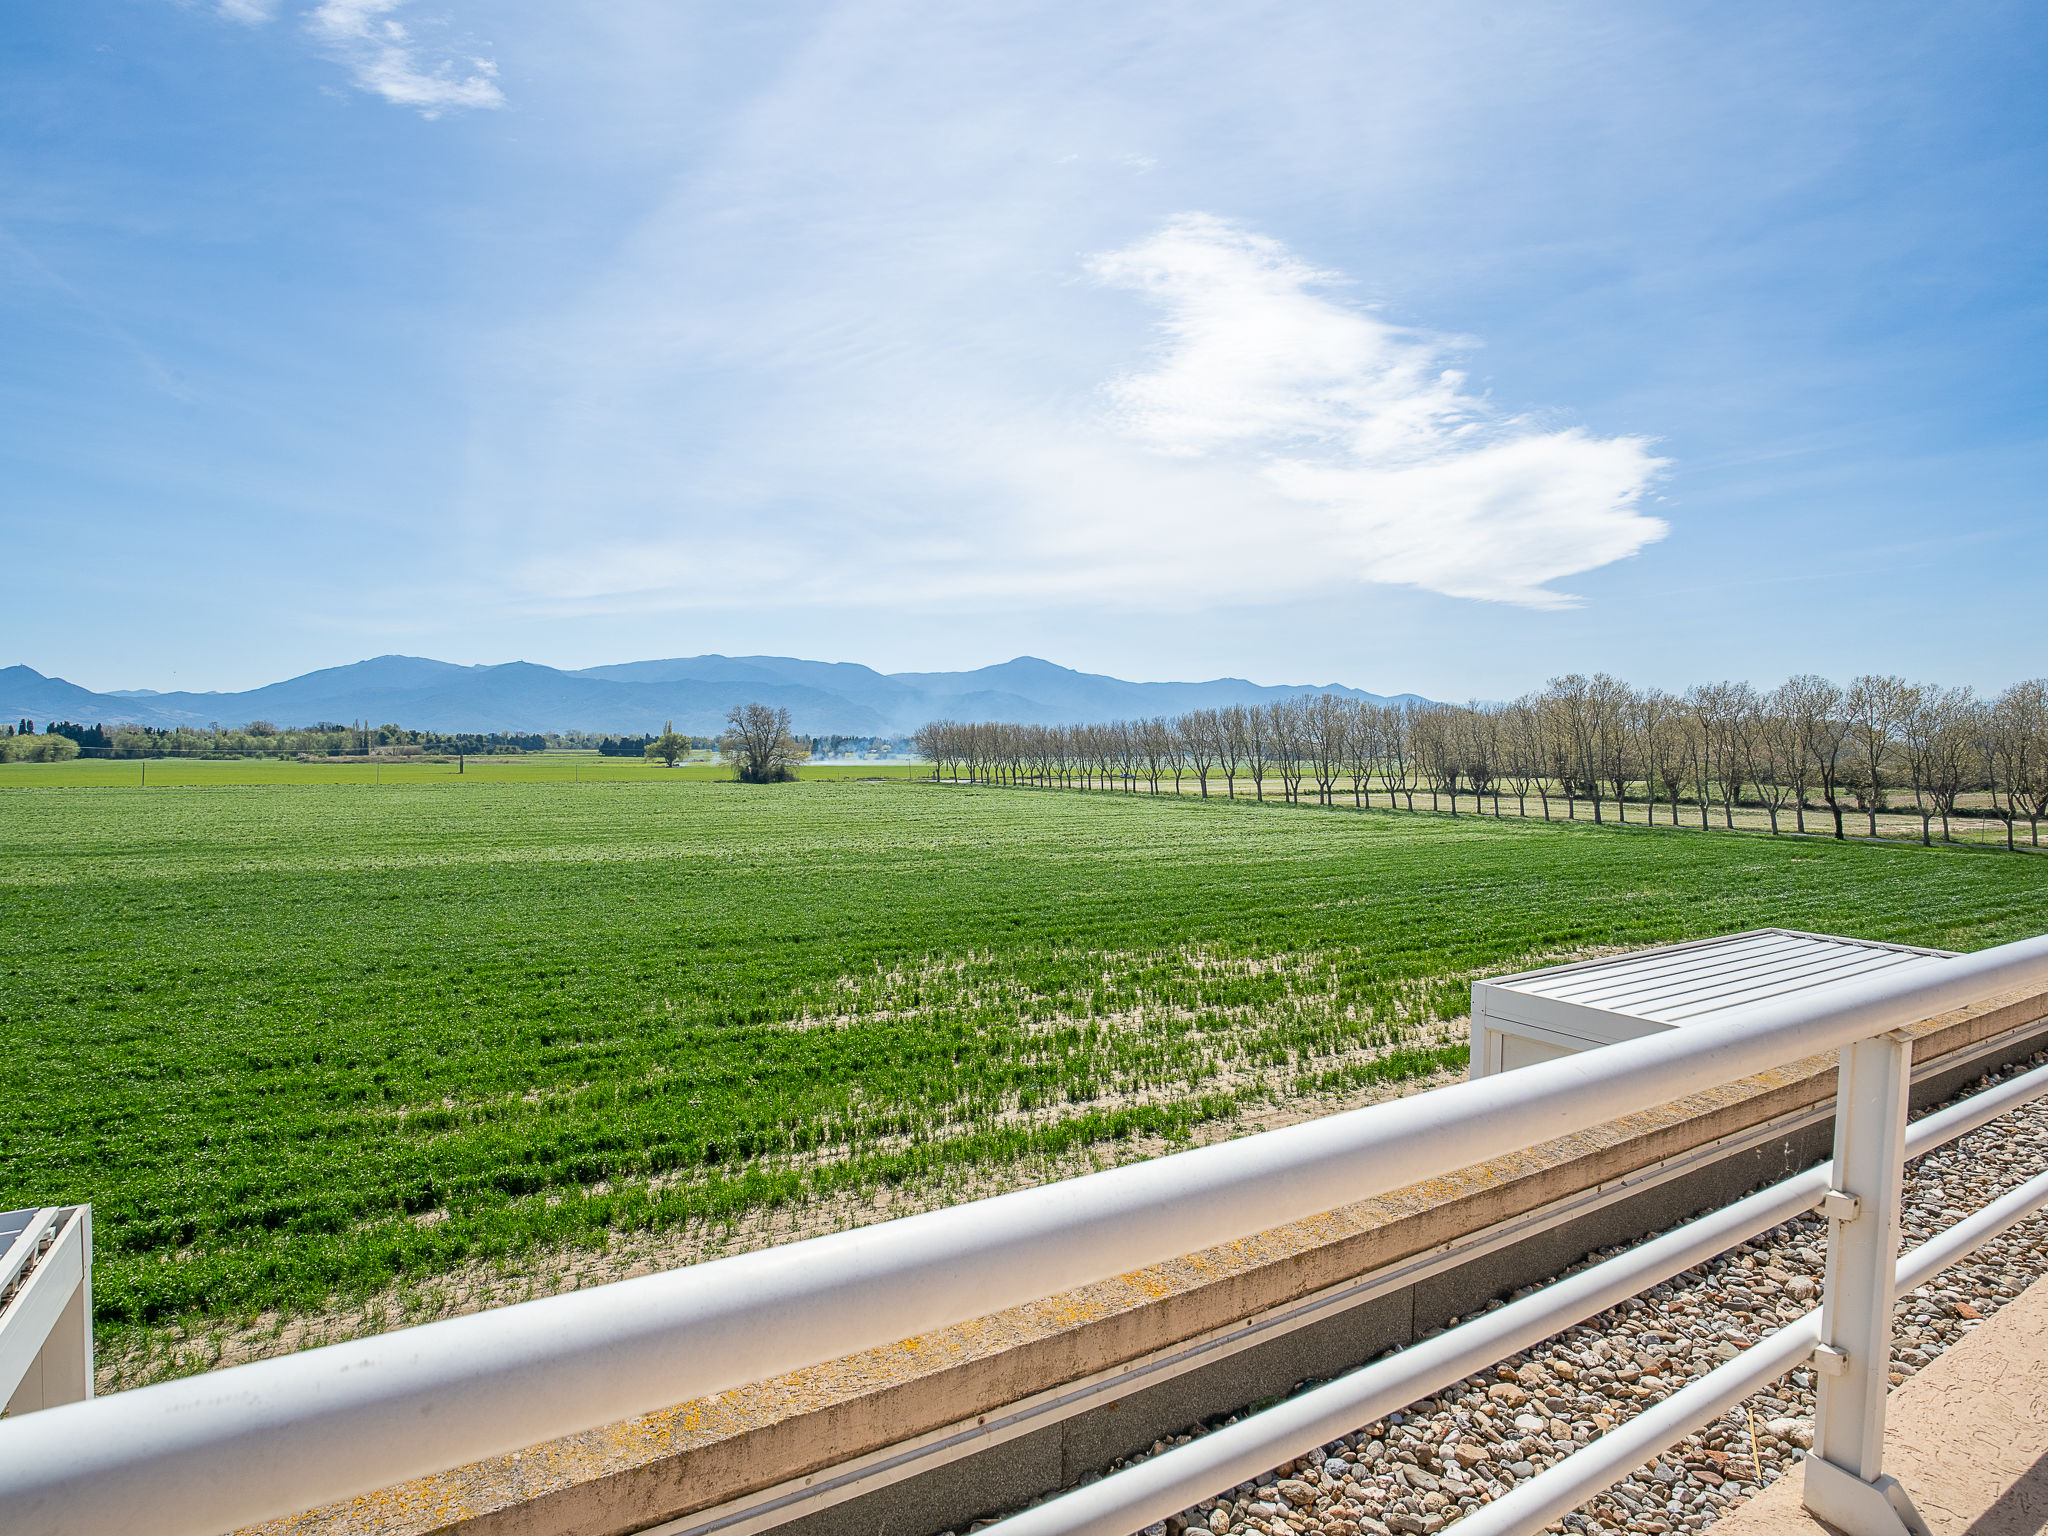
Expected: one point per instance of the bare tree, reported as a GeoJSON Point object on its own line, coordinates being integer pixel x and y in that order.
{"type": "Point", "coordinates": [1522, 753]}
{"type": "Point", "coordinates": [1576, 703]}
{"type": "Point", "coordinates": [1093, 743]}
{"type": "Point", "coordinates": [2000, 749]}
{"type": "Point", "coordinates": [1613, 762]}
{"type": "Point", "coordinates": [1955, 762]}
{"type": "Point", "coordinates": [758, 742]}
{"type": "Point", "coordinates": [1233, 728]}
{"type": "Point", "coordinates": [1326, 734]}
{"type": "Point", "coordinates": [1724, 712]}
{"type": "Point", "coordinates": [1813, 706]}
{"type": "Point", "coordinates": [1256, 745]}
{"type": "Point", "coordinates": [1361, 750]}
{"type": "Point", "coordinates": [1123, 737]}
{"type": "Point", "coordinates": [1661, 725]}
{"type": "Point", "coordinates": [1926, 732]}
{"type": "Point", "coordinates": [1479, 740]}
{"type": "Point", "coordinates": [2030, 706]}
{"type": "Point", "coordinates": [1614, 741]}
{"type": "Point", "coordinates": [1772, 746]}
{"type": "Point", "coordinates": [932, 741]}
{"type": "Point", "coordinates": [2019, 737]}
{"type": "Point", "coordinates": [1735, 751]}
{"type": "Point", "coordinates": [1433, 734]}
{"type": "Point", "coordinates": [1045, 751]}
{"type": "Point", "coordinates": [1397, 751]}
{"type": "Point", "coordinates": [1198, 745]}
{"type": "Point", "coordinates": [1875, 708]}
{"type": "Point", "coordinates": [1285, 729]}
{"type": "Point", "coordinates": [1699, 755]}
{"type": "Point", "coordinates": [1560, 750]}
{"type": "Point", "coordinates": [1155, 742]}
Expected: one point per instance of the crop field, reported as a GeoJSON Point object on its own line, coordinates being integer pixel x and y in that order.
{"type": "Point", "coordinates": [309, 1044]}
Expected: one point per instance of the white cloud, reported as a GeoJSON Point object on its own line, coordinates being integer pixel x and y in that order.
{"type": "Point", "coordinates": [1279, 446]}
{"type": "Point", "coordinates": [386, 59]}
{"type": "Point", "coordinates": [842, 356]}
{"type": "Point", "coordinates": [1406, 476]}
{"type": "Point", "coordinates": [251, 13]}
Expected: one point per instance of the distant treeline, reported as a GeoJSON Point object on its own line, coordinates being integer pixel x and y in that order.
{"type": "Point", "coordinates": [855, 746]}
{"type": "Point", "coordinates": [636, 746]}
{"type": "Point", "coordinates": [259, 739]}
{"type": "Point", "coordinates": [61, 740]}
{"type": "Point", "coordinates": [818, 746]}
{"type": "Point", "coordinates": [1807, 744]}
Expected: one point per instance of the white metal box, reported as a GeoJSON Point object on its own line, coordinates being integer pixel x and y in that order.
{"type": "Point", "coordinates": [1538, 1015]}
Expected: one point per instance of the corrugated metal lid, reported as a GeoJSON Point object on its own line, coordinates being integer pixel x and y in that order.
{"type": "Point", "coordinates": [1683, 983]}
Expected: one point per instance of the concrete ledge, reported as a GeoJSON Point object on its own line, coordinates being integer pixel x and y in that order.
{"type": "Point", "coordinates": [703, 1454]}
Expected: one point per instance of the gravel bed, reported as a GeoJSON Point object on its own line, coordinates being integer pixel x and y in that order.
{"type": "Point", "coordinates": [1416, 1472]}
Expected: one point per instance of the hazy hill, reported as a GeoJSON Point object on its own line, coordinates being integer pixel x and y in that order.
{"type": "Point", "coordinates": [636, 696]}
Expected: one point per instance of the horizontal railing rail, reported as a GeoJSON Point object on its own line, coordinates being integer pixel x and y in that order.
{"type": "Point", "coordinates": [1174, 1480]}
{"type": "Point", "coordinates": [214, 1452]}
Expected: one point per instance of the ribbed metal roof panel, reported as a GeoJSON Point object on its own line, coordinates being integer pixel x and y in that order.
{"type": "Point", "coordinates": [1685, 983]}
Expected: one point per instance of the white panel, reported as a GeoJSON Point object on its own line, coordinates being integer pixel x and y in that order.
{"type": "Point", "coordinates": [1521, 1051]}
{"type": "Point", "coordinates": [49, 1300]}
{"type": "Point", "coordinates": [1624, 996]}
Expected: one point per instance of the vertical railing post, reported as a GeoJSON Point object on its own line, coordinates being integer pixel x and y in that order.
{"type": "Point", "coordinates": [1845, 1479]}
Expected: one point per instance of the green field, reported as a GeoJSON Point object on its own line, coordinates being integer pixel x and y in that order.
{"type": "Point", "coordinates": [301, 1043]}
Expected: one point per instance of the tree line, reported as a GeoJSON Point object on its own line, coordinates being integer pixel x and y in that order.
{"type": "Point", "coordinates": [1805, 746]}
{"type": "Point", "coordinates": [816, 746]}
{"type": "Point", "coordinates": [61, 740]}
{"type": "Point", "coordinates": [23, 743]}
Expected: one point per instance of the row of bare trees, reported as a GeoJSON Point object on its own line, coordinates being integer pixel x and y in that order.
{"type": "Point", "coordinates": [1806, 745]}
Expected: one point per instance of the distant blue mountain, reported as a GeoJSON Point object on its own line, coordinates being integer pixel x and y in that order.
{"type": "Point", "coordinates": [29, 693]}
{"type": "Point", "coordinates": [636, 696]}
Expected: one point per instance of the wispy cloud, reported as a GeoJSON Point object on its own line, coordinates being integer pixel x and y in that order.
{"type": "Point", "coordinates": [251, 13]}
{"type": "Point", "coordinates": [98, 316]}
{"type": "Point", "coordinates": [384, 58]}
{"type": "Point", "coordinates": [1345, 415]}
{"type": "Point", "coordinates": [1278, 445]}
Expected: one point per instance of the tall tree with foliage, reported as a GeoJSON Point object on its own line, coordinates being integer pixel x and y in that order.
{"type": "Point", "coordinates": [668, 746]}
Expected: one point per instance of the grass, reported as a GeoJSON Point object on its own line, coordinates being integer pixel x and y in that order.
{"type": "Point", "coordinates": [307, 1043]}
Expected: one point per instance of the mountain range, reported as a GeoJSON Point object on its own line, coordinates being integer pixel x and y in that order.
{"type": "Point", "coordinates": [632, 697]}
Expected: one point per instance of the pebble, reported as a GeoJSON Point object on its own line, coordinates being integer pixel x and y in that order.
{"type": "Point", "coordinates": [1419, 1471]}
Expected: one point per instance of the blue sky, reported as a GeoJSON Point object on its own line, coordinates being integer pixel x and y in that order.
{"type": "Point", "coordinates": [1440, 347]}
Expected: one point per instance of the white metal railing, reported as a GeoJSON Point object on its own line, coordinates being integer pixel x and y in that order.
{"type": "Point", "coordinates": [214, 1452]}
{"type": "Point", "coordinates": [1175, 1479]}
